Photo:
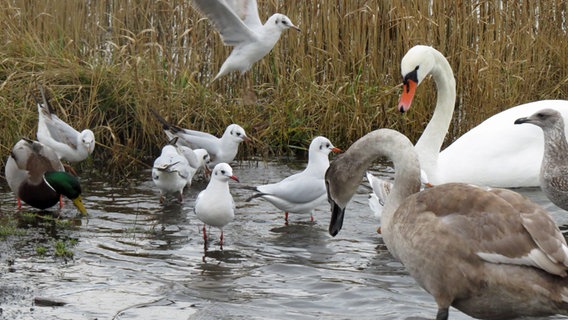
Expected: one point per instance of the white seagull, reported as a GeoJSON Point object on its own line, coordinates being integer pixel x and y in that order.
{"type": "Point", "coordinates": [170, 172]}
{"type": "Point", "coordinates": [220, 150]}
{"type": "Point", "coordinates": [214, 206]}
{"type": "Point", "coordinates": [381, 189]}
{"type": "Point", "coordinates": [197, 159]}
{"type": "Point", "coordinates": [69, 144]}
{"type": "Point", "coordinates": [303, 191]}
{"type": "Point", "coordinates": [239, 25]}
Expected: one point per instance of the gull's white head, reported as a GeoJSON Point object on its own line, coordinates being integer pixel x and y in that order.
{"type": "Point", "coordinates": [203, 157]}
{"type": "Point", "coordinates": [236, 132]}
{"type": "Point", "coordinates": [223, 172]}
{"type": "Point", "coordinates": [281, 22]}
{"type": "Point", "coordinates": [88, 140]}
{"type": "Point", "coordinates": [322, 145]}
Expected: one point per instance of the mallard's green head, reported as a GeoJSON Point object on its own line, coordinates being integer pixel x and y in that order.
{"type": "Point", "coordinates": [67, 185]}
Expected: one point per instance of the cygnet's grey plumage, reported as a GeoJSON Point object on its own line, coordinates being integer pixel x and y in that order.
{"type": "Point", "coordinates": [491, 253]}
{"type": "Point", "coordinates": [554, 167]}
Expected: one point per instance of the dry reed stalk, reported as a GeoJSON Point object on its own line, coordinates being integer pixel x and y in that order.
{"type": "Point", "coordinates": [106, 61]}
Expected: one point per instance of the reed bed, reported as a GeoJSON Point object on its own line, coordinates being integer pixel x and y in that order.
{"type": "Point", "coordinates": [105, 62]}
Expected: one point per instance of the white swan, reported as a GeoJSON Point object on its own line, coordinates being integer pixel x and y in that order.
{"type": "Point", "coordinates": [495, 153]}
{"type": "Point", "coordinates": [493, 254]}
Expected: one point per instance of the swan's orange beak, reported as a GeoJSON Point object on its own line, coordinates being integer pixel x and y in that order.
{"type": "Point", "coordinates": [408, 90]}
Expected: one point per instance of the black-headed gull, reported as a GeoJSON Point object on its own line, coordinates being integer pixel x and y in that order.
{"type": "Point", "coordinates": [69, 144]}
{"type": "Point", "coordinates": [220, 150]}
{"type": "Point", "coordinates": [303, 191]}
{"type": "Point", "coordinates": [170, 172]}
{"type": "Point", "coordinates": [214, 206]}
{"type": "Point", "coordinates": [381, 189]}
{"type": "Point", "coordinates": [197, 159]}
{"type": "Point", "coordinates": [239, 25]}
{"type": "Point", "coordinates": [35, 174]}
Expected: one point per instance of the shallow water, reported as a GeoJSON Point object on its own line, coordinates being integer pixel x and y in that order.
{"type": "Point", "coordinates": [138, 259]}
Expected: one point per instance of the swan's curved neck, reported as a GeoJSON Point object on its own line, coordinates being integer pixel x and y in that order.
{"type": "Point", "coordinates": [430, 143]}
{"type": "Point", "coordinates": [397, 148]}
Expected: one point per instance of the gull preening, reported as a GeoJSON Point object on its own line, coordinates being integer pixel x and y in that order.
{"type": "Point", "coordinates": [197, 159]}
{"type": "Point", "coordinates": [554, 165]}
{"type": "Point", "coordinates": [36, 175]}
{"type": "Point", "coordinates": [239, 25]}
{"type": "Point", "coordinates": [170, 172]}
{"type": "Point", "coordinates": [491, 253]}
{"type": "Point", "coordinates": [303, 191]}
{"type": "Point", "coordinates": [495, 153]}
{"type": "Point", "coordinates": [69, 144]}
{"type": "Point", "coordinates": [214, 206]}
{"type": "Point", "coordinates": [220, 150]}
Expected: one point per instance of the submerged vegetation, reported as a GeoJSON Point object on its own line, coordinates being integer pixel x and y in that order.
{"type": "Point", "coordinates": [105, 62]}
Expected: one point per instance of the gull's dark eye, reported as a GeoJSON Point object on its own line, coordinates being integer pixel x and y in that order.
{"type": "Point", "coordinates": [222, 171]}
{"type": "Point", "coordinates": [238, 134]}
{"type": "Point", "coordinates": [327, 145]}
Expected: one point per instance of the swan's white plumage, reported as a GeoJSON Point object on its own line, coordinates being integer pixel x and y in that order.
{"type": "Point", "coordinates": [494, 153]}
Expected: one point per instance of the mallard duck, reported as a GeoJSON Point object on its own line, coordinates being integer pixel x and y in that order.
{"type": "Point", "coordinates": [36, 175]}
{"type": "Point", "coordinates": [69, 144]}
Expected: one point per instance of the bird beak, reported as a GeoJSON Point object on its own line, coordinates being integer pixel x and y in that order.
{"type": "Point", "coordinates": [336, 150]}
{"type": "Point", "coordinates": [337, 214]}
{"type": "Point", "coordinates": [408, 90]}
{"type": "Point", "coordinates": [522, 120]}
{"type": "Point", "coordinates": [234, 178]}
{"type": "Point", "coordinates": [79, 204]}
{"type": "Point", "coordinates": [296, 28]}
{"type": "Point", "coordinates": [247, 139]}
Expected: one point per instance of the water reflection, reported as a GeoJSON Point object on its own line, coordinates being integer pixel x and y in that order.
{"type": "Point", "coordinates": [138, 259]}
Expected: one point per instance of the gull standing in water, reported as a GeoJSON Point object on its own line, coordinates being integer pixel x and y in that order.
{"type": "Point", "coordinates": [69, 144]}
{"type": "Point", "coordinates": [197, 159]}
{"type": "Point", "coordinates": [554, 167]}
{"type": "Point", "coordinates": [170, 172]}
{"type": "Point", "coordinates": [214, 206]}
{"type": "Point", "coordinates": [303, 191]}
{"type": "Point", "coordinates": [220, 150]}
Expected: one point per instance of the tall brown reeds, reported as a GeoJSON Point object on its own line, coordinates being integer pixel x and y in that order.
{"type": "Point", "coordinates": [105, 62]}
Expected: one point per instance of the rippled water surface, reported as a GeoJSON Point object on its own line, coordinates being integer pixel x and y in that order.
{"type": "Point", "coordinates": [135, 258]}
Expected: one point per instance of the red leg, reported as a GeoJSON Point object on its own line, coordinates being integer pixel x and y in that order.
{"type": "Point", "coordinates": [221, 239]}
{"type": "Point", "coordinates": [311, 218]}
{"type": "Point", "coordinates": [286, 218]}
{"type": "Point", "coordinates": [204, 234]}
{"type": "Point", "coordinates": [60, 201]}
